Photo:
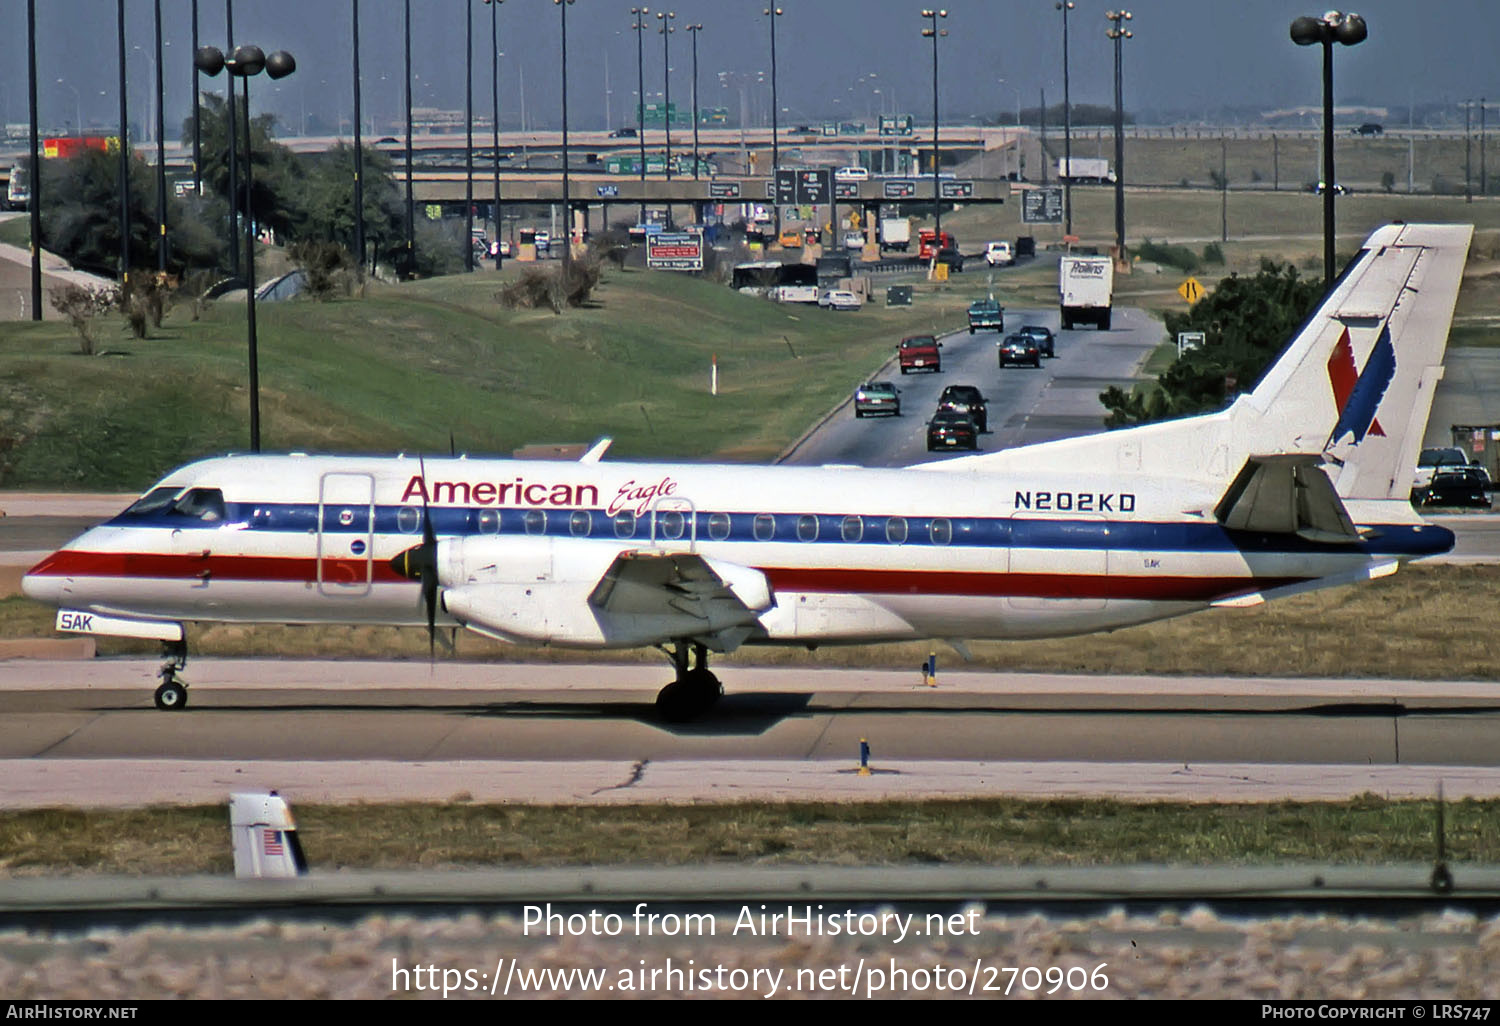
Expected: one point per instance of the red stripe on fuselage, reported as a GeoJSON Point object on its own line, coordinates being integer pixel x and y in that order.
{"type": "Point", "coordinates": [164, 566]}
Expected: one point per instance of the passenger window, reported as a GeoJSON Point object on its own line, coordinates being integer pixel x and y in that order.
{"type": "Point", "coordinates": [535, 521]}
{"type": "Point", "coordinates": [671, 523]}
{"type": "Point", "coordinates": [895, 530]}
{"type": "Point", "coordinates": [718, 526]}
{"type": "Point", "coordinates": [807, 528]}
{"type": "Point", "coordinates": [625, 524]}
{"type": "Point", "coordinates": [489, 521]}
{"type": "Point", "coordinates": [203, 504]}
{"type": "Point", "coordinates": [765, 526]}
{"type": "Point", "coordinates": [853, 529]}
{"type": "Point", "coordinates": [940, 531]}
{"type": "Point", "coordinates": [408, 519]}
{"type": "Point", "coordinates": [580, 524]}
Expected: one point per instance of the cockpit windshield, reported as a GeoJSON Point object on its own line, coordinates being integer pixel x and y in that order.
{"type": "Point", "coordinates": [154, 501]}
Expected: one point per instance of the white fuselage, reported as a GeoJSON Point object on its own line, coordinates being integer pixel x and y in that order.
{"type": "Point", "coordinates": [848, 554]}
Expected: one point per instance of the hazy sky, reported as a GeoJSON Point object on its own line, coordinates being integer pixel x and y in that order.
{"type": "Point", "coordinates": [1197, 56]}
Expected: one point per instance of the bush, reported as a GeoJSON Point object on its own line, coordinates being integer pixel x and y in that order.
{"type": "Point", "coordinates": [1178, 256]}
{"type": "Point", "coordinates": [329, 268]}
{"type": "Point", "coordinates": [540, 286]}
{"type": "Point", "coordinates": [80, 306]}
{"type": "Point", "coordinates": [613, 245]}
{"type": "Point", "coordinates": [1213, 253]}
{"type": "Point", "coordinates": [144, 300]}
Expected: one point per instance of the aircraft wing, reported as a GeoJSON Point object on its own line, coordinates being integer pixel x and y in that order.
{"type": "Point", "coordinates": [653, 583]}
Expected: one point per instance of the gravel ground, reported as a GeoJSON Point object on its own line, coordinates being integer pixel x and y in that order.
{"type": "Point", "coordinates": [1194, 955]}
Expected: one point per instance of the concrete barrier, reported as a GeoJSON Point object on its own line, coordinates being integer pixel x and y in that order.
{"type": "Point", "coordinates": [47, 648]}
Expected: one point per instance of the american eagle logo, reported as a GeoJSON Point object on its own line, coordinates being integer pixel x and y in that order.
{"type": "Point", "coordinates": [1358, 393]}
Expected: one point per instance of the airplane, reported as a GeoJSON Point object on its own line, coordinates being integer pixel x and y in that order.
{"type": "Point", "coordinates": [1298, 484]}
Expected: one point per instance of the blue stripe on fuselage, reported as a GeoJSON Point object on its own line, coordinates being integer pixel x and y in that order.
{"type": "Point", "coordinates": [969, 532]}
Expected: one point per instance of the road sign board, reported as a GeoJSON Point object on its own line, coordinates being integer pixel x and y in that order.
{"type": "Point", "coordinates": [1190, 290]}
{"type": "Point", "coordinates": [1042, 206]}
{"type": "Point", "coordinates": [724, 190]}
{"type": "Point", "coordinates": [900, 188]}
{"type": "Point", "coordinates": [786, 186]}
{"type": "Point", "coordinates": [898, 125]}
{"type": "Point", "coordinates": [675, 251]}
{"type": "Point", "coordinates": [814, 186]}
{"type": "Point", "coordinates": [846, 190]}
{"type": "Point", "coordinates": [955, 190]}
{"type": "Point", "coordinates": [1190, 340]}
{"type": "Point", "coordinates": [607, 190]}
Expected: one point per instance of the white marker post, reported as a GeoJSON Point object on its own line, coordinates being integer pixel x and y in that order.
{"type": "Point", "coordinates": [265, 837]}
{"type": "Point", "coordinates": [713, 381]}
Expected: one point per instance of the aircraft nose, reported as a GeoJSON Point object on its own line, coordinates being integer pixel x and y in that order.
{"type": "Point", "coordinates": [42, 588]}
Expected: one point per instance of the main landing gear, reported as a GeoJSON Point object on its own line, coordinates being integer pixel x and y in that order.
{"type": "Point", "coordinates": [172, 695]}
{"type": "Point", "coordinates": [694, 691]}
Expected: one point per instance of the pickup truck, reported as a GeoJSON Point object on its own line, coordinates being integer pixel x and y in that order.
{"type": "Point", "coordinates": [920, 352]}
{"type": "Point", "coordinates": [986, 314]}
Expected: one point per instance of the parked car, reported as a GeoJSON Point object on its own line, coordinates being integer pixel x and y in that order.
{"type": "Point", "coordinates": [986, 314]}
{"type": "Point", "coordinates": [1020, 349]}
{"type": "Point", "coordinates": [953, 258]}
{"type": "Point", "coordinates": [1043, 336]}
{"type": "Point", "coordinates": [998, 254]}
{"type": "Point", "coordinates": [965, 399]}
{"type": "Point", "coordinates": [1432, 460]}
{"type": "Point", "coordinates": [1368, 128]}
{"type": "Point", "coordinates": [843, 299]}
{"type": "Point", "coordinates": [852, 174]}
{"type": "Point", "coordinates": [877, 397]}
{"type": "Point", "coordinates": [1463, 486]}
{"type": "Point", "coordinates": [623, 133]}
{"type": "Point", "coordinates": [920, 352]}
{"type": "Point", "coordinates": [948, 430]}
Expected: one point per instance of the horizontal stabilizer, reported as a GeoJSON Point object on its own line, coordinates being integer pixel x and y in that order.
{"type": "Point", "coordinates": [1286, 494]}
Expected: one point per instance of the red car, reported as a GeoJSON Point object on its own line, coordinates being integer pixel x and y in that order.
{"type": "Point", "coordinates": [920, 352]}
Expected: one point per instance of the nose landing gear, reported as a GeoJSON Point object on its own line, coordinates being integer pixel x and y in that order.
{"type": "Point", "coordinates": [694, 691]}
{"type": "Point", "coordinates": [172, 695]}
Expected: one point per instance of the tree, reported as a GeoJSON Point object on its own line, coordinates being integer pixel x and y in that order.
{"type": "Point", "coordinates": [1246, 320]}
{"type": "Point", "coordinates": [81, 217]}
{"type": "Point", "coordinates": [329, 202]}
{"type": "Point", "coordinates": [276, 176]}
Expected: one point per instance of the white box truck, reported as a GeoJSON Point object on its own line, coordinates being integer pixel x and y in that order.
{"type": "Point", "coordinates": [895, 233]}
{"type": "Point", "coordinates": [1085, 169]}
{"type": "Point", "coordinates": [1085, 286]}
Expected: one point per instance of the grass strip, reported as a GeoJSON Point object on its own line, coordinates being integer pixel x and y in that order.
{"type": "Point", "coordinates": [1365, 831]}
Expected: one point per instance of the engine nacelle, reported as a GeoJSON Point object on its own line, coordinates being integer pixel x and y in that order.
{"type": "Point", "coordinates": [546, 590]}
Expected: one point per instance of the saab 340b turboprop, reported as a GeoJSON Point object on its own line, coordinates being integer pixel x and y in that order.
{"type": "Point", "coordinates": [1300, 483]}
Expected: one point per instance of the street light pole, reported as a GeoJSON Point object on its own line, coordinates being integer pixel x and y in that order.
{"type": "Point", "coordinates": [234, 147]}
{"type": "Point", "coordinates": [567, 267]}
{"type": "Point", "coordinates": [937, 153]}
{"type": "Point", "coordinates": [161, 155]}
{"type": "Point", "coordinates": [243, 63]}
{"type": "Point", "coordinates": [772, 13]}
{"type": "Point", "coordinates": [639, 13]}
{"type": "Point", "coordinates": [34, 167]}
{"type": "Point", "coordinates": [494, 6]}
{"type": "Point", "coordinates": [359, 155]}
{"type": "Point", "coordinates": [666, 31]}
{"type": "Point", "coordinates": [1119, 33]}
{"type": "Point", "coordinates": [411, 219]}
{"type": "Point", "coordinates": [197, 116]}
{"type": "Point", "coordinates": [468, 137]}
{"type": "Point", "coordinates": [1065, 6]}
{"type": "Point", "coordinates": [695, 29]}
{"type": "Point", "coordinates": [124, 167]}
{"type": "Point", "coordinates": [1350, 30]}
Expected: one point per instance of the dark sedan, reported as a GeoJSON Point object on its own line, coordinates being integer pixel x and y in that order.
{"type": "Point", "coordinates": [952, 257]}
{"type": "Point", "coordinates": [965, 399]}
{"type": "Point", "coordinates": [1020, 349]}
{"type": "Point", "coordinates": [1043, 336]}
{"type": "Point", "coordinates": [947, 430]}
{"type": "Point", "coordinates": [1453, 488]}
